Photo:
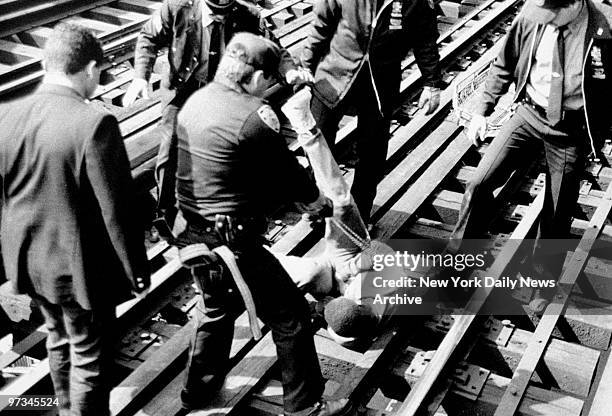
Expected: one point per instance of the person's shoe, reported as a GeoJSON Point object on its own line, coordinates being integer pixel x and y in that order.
{"type": "Point", "coordinates": [324, 408]}
{"type": "Point", "coordinates": [200, 395]}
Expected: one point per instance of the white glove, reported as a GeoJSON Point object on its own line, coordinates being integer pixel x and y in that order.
{"type": "Point", "coordinates": [138, 88]}
{"type": "Point", "coordinates": [299, 76]}
{"type": "Point", "coordinates": [317, 207]}
{"type": "Point", "coordinates": [476, 129]}
{"type": "Point", "coordinates": [430, 99]}
{"type": "Point", "coordinates": [297, 110]}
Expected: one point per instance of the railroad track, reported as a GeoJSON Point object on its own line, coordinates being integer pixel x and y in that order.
{"type": "Point", "coordinates": [440, 358]}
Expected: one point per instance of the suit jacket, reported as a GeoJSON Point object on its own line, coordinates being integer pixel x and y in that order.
{"type": "Point", "coordinates": [69, 230]}
{"type": "Point", "coordinates": [178, 26]}
{"type": "Point", "coordinates": [513, 65]}
{"type": "Point", "coordinates": [347, 35]}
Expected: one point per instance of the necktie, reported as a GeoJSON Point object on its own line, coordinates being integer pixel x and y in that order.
{"type": "Point", "coordinates": [215, 49]}
{"type": "Point", "coordinates": [555, 98]}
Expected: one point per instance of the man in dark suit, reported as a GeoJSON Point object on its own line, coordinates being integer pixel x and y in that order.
{"type": "Point", "coordinates": [558, 54]}
{"type": "Point", "coordinates": [69, 232]}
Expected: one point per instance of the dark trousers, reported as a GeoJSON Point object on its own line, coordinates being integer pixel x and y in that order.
{"type": "Point", "coordinates": [167, 155]}
{"type": "Point", "coordinates": [519, 141]}
{"type": "Point", "coordinates": [279, 304]}
{"type": "Point", "coordinates": [372, 139]}
{"type": "Point", "coordinates": [80, 356]}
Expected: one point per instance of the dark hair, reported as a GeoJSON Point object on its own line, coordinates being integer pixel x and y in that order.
{"type": "Point", "coordinates": [70, 48]}
{"type": "Point", "coordinates": [349, 319]}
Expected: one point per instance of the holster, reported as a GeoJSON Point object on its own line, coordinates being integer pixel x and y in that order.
{"type": "Point", "coordinates": [198, 258]}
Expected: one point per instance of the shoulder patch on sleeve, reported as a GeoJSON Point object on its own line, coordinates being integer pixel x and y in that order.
{"type": "Point", "coordinates": [268, 116]}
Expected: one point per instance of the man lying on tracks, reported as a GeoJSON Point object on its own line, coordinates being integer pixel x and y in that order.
{"type": "Point", "coordinates": [355, 50]}
{"type": "Point", "coordinates": [233, 167]}
{"type": "Point", "coordinates": [352, 318]}
{"type": "Point", "coordinates": [195, 33]}
{"type": "Point", "coordinates": [559, 55]}
{"type": "Point", "coordinates": [70, 234]}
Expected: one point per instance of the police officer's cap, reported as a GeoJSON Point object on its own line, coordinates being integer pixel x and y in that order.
{"type": "Point", "coordinates": [257, 51]}
{"type": "Point", "coordinates": [220, 6]}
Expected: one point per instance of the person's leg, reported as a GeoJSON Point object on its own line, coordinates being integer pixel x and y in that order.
{"type": "Point", "coordinates": [564, 160]}
{"type": "Point", "coordinates": [58, 350]}
{"type": "Point", "coordinates": [516, 144]}
{"type": "Point", "coordinates": [89, 333]}
{"type": "Point", "coordinates": [166, 163]}
{"type": "Point", "coordinates": [211, 341]}
{"type": "Point", "coordinates": [214, 317]}
{"type": "Point", "coordinates": [327, 121]}
{"type": "Point", "coordinates": [282, 306]}
{"type": "Point", "coordinates": [372, 144]}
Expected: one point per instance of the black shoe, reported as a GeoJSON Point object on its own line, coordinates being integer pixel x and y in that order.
{"type": "Point", "coordinates": [200, 395]}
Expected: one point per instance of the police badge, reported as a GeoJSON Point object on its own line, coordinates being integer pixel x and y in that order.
{"type": "Point", "coordinates": [597, 67]}
{"type": "Point", "coordinates": [395, 23]}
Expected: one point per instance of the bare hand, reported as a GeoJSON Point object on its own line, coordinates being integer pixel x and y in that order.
{"type": "Point", "coordinates": [476, 129]}
{"type": "Point", "coordinates": [429, 100]}
{"type": "Point", "coordinates": [138, 88]}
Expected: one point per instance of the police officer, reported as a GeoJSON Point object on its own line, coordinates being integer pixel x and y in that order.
{"type": "Point", "coordinates": [356, 49]}
{"type": "Point", "coordinates": [233, 167]}
{"type": "Point", "coordinates": [557, 52]}
{"type": "Point", "coordinates": [195, 33]}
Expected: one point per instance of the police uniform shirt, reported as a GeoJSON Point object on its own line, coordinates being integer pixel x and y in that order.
{"type": "Point", "coordinates": [235, 162]}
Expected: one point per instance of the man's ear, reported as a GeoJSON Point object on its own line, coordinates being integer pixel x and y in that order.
{"type": "Point", "coordinates": [90, 67]}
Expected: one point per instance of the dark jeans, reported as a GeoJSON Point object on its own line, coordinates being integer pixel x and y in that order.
{"type": "Point", "coordinates": [372, 139]}
{"type": "Point", "coordinates": [80, 356]}
{"type": "Point", "coordinates": [518, 142]}
{"type": "Point", "coordinates": [279, 304]}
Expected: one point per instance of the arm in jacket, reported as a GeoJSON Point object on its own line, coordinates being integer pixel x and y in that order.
{"type": "Point", "coordinates": [108, 170]}
{"type": "Point", "coordinates": [501, 74]}
{"type": "Point", "coordinates": [425, 47]}
{"type": "Point", "coordinates": [326, 17]}
{"type": "Point", "coordinates": [155, 34]}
